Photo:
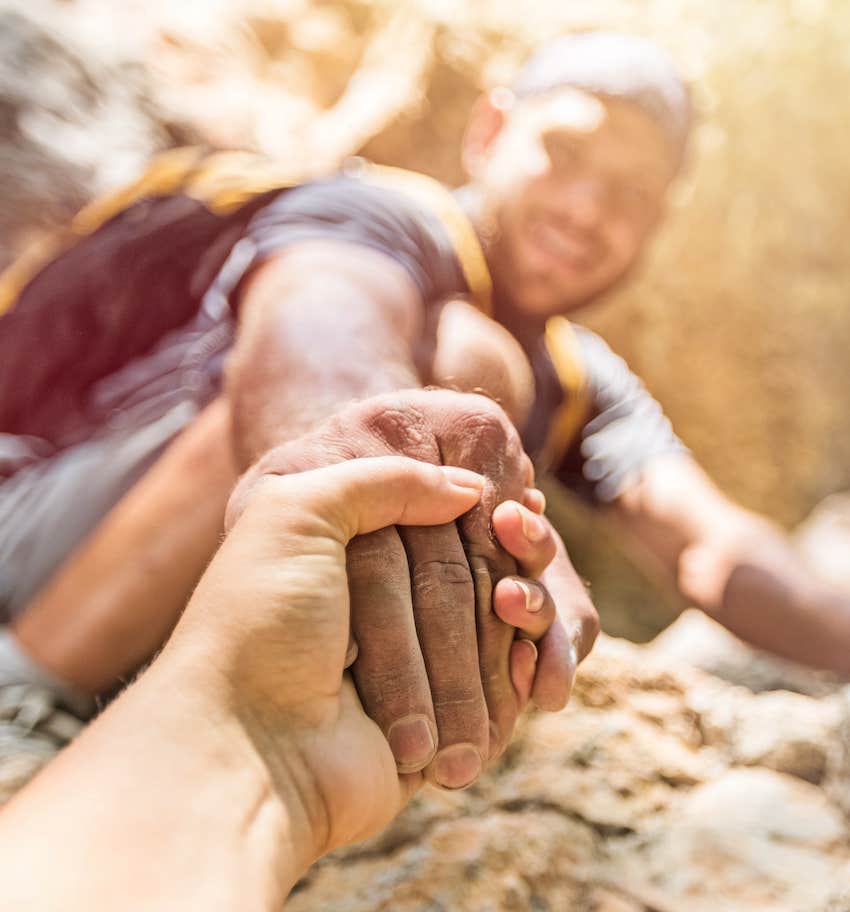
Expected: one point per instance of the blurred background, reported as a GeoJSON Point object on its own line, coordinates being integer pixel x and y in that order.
{"type": "Point", "coordinates": [661, 788]}
{"type": "Point", "coordinates": [740, 320]}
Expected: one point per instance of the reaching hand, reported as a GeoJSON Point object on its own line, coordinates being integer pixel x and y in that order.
{"type": "Point", "coordinates": [438, 668]}
{"type": "Point", "coordinates": [270, 622]}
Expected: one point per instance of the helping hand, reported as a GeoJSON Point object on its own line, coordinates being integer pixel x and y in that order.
{"type": "Point", "coordinates": [434, 643]}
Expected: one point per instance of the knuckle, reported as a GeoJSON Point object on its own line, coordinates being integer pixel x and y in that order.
{"type": "Point", "coordinates": [399, 427]}
{"type": "Point", "coordinates": [485, 427]}
{"type": "Point", "coordinates": [433, 576]}
{"type": "Point", "coordinates": [377, 555]}
{"type": "Point", "coordinates": [487, 439]}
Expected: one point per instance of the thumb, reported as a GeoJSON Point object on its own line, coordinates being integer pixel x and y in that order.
{"type": "Point", "coordinates": [363, 495]}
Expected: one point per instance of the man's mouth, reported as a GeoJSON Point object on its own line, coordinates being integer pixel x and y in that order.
{"type": "Point", "coordinates": [564, 247]}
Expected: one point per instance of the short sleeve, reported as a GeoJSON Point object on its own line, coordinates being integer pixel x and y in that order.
{"type": "Point", "coordinates": [626, 429]}
{"type": "Point", "coordinates": [343, 208]}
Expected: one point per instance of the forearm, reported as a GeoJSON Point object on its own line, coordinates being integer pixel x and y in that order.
{"type": "Point", "coordinates": [737, 566]}
{"type": "Point", "coordinates": [771, 601]}
{"type": "Point", "coordinates": [163, 803]}
{"type": "Point", "coordinates": [322, 325]}
{"type": "Point", "coordinates": [118, 597]}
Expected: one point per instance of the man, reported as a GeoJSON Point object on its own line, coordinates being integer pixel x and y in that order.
{"type": "Point", "coordinates": [367, 282]}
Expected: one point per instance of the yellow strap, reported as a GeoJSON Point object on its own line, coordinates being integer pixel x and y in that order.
{"type": "Point", "coordinates": [434, 197]}
{"type": "Point", "coordinates": [225, 181]}
{"type": "Point", "coordinates": [563, 348]}
{"type": "Point", "coordinates": [17, 274]}
{"type": "Point", "coordinates": [165, 174]}
{"type": "Point", "coordinates": [222, 181]}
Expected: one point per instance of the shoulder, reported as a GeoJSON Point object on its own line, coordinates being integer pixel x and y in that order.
{"type": "Point", "coordinates": [625, 429]}
{"type": "Point", "coordinates": [361, 209]}
{"type": "Point", "coordinates": [607, 375]}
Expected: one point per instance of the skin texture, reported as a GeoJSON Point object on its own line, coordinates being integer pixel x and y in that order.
{"type": "Point", "coordinates": [90, 627]}
{"type": "Point", "coordinates": [425, 655]}
{"type": "Point", "coordinates": [244, 747]}
{"type": "Point", "coordinates": [567, 191]}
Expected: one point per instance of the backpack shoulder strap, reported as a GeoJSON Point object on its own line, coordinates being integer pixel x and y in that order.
{"type": "Point", "coordinates": [563, 348]}
{"type": "Point", "coordinates": [221, 181]}
{"type": "Point", "coordinates": [437, 199]}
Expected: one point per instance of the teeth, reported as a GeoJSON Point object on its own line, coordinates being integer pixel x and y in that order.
{"type": "Point", "coordinates": [560, 245]}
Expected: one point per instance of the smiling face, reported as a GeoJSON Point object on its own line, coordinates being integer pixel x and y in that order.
{"type": "Point", "coordinates": [570, 186]}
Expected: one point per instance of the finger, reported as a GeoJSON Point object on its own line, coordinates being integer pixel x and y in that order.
{"type": "Point", "coordinates": [524, 604]}
{"type": "Point", "coordinates": [523, 667]}
{"type": "Point", "coordinates": [524, 535]}
{"type": "Point", "coordinates": [362, 495]}
{"type": "Point", "coordinates": [486, 442]}
{"type": "Point", "coordinates": [390, 671]}
{"type": "Point", "coordinates": [489, 563]}
{"type": "Point", "coordinates": [444, 610]}
{"type": "Point", "coordinates": [495, 639]}
{"type": "Point", "coordinates": [535, 500]}
{"type": "Point", "coordinates": [570, 637]}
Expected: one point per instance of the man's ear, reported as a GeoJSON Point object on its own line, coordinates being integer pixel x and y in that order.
{"type": "Point", "coordinates": [485, 123]}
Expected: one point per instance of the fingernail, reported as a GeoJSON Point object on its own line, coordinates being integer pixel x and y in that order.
{"type": "Point", "coordinates": [539, 498]}
{"type": "Point", "coordinates": [457, 766]}
{"type": "Point", "coordinates": [531, 647]}
{"type": "Point", "coordinates": [533, 528]}
{"type": "Point", "coordinates": [412, 742]}
{"type": "Point", "coordinates": [532, 595]}
{"type": "Point", "coordinates": [463, 478]}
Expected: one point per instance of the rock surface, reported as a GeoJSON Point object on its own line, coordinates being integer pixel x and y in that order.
{"type": "Point", "coordinates": [660, 789]}
{"type": "Point", "coordinates": [73, 124]}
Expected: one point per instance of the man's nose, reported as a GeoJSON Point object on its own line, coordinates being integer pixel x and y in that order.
{"type": "Point", "coordinates": [584, 202]}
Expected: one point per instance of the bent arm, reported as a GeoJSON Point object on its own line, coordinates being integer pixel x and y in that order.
{"type": "Point", "coordinates": [737, 566]}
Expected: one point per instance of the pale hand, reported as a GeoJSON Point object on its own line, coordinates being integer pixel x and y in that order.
{"type": "Point", "coordinates": [270, 623]}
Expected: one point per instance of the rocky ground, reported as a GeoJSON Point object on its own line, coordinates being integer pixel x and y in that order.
{"type": "Point", "coordinates": [661, 789]}
{"type": "Point", "coordinates": [692, 774]}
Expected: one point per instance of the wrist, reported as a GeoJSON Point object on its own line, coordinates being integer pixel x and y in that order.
{"type": "Point", "coordinates": [256, 739]}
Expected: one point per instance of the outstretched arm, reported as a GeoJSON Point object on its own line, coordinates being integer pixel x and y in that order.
{"type": "Point", "coordinates": [320, 325]}
{"type": "Point", "coordinates": [326, 323]}
{"type": "Point", "coordinates": [735, 565]}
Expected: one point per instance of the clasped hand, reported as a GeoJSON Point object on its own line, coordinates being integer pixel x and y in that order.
{"type": "Point", "coordinates": [452, 628]}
